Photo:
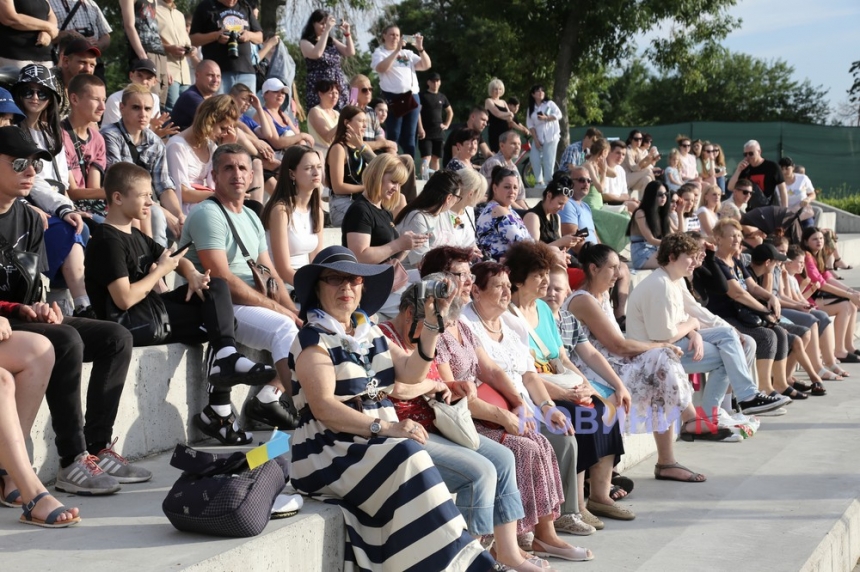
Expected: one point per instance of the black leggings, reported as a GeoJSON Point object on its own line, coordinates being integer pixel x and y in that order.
{"type": "Point", "coordinates": [197, 321]}
{"type": "Point", "coordinates": [771, 343]}
{"type": "Point", "coordinates": [108, 346]}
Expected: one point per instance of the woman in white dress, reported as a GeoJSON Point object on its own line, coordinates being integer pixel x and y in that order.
{"type": "Point", "coordinates": [709, 206]}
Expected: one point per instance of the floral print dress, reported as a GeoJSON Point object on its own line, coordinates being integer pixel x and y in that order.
{"type": "Point", "coordinates": [658, 386]}
{"type": "Point", "coordinates": [326, 67]}
{"type": "Point", "coordinates": [497, 234]}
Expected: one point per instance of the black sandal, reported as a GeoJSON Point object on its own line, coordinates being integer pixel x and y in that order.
{"type": "Point", "coordinates": [794, 394]}
{"type": "Point", "coordinates": [705, 430]}
{"type": "Point", "coordinates": [817, 389]}
{"type": "Point", "coordinates": [625, 483]}
{"type": "Point", "coordinates": [800, 386]}
{"type": "Point", "coordinates": [232, 434]}
{"type": "Point", "coordinates": [227, 375]}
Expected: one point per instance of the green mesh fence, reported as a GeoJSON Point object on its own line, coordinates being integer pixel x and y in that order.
{"type": "Point", "coordinates": [831, 155]}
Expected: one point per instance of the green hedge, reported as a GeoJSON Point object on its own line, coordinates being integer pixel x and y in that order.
{"type": "Point", "coordinates": [850, 204]}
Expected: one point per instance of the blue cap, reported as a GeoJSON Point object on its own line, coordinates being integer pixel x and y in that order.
{"type": "Point", "coordinates": [7, 104]}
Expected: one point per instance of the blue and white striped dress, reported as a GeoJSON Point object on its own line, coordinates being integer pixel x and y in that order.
{"type": "Point", "coordinates": [398, 511]}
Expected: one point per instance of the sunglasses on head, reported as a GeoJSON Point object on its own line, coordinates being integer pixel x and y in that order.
{"type": "Point", "coordinates": [566, 191]}
{"type": "Point", "coordinates": [20, 165]}
{"type": "Point", "coordinates": [749, 153]}
{"type": "Point", "coordinates": [338, 279]}
{"type": "Point", "coordinates": [40, 94]}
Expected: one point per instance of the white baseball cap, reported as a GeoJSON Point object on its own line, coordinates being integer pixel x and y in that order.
{"type": "Point", "coordinates": [274, 84]}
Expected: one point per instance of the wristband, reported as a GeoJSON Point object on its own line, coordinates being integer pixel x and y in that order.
{"type": "Point", "coordinates": [547, 402]}
{"type": "Point", "coordinates": [432, 327]}
{"type": "Point", "coordinates": [421, 51]}
{"type": "Point", "coordinates": [421, 353]}
{"type": "Point", "coordinates": [346, 34]}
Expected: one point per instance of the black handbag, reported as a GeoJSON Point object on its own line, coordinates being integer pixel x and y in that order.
{"type": "Point", "coordinates": [26, 287]}
{"type": "Point", "coordinates": [147, 320]}
{"type": "Point", "coordinates": [753, 318]}
{"type": "Point", "coordinates": [219, 495]}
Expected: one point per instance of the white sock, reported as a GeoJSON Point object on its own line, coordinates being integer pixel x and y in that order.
{"type": "Point", "coordinates": [269, 394]}
{"type": "Point", "coordinates": [222, 410]}
{"type": "Point", "coordinates": [82, 302]}
{"type": "Point", "coordinates": [224, 352]}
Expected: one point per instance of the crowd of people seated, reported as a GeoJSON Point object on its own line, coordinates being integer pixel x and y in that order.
{"type": "Point", "coordinates": [459, 292]}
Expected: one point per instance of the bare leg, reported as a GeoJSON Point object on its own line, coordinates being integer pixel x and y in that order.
{"type": "Point", "coordinates": [841, 318]}
{"type": "Point", "coordinates": [601, 480]}
{"type": "Point", "coordinates": [622, 291]}
{"type": "Point", "coordinates": [799, 354]}
{"type": "Point", "coordinates": [30, 359]}
{"type": "Point", "coordinates": [813, 349]}
{"type": "Point", "coordinates": [13, 454]}
{"type": "Point", "coordinates": [73, 271]}
{"type": "Point", "coordinates": [258, 182]}
{"type": "Point", "coordinates": [780, 383]}
{"type": "Point", "coordinates": [666, 447]}
{"type": "Point", "coordinates": [506, 549]}
{"type": "Point", "coordinates": [828, 345]}
{"type": "Point", "coordinates": [763, 368]}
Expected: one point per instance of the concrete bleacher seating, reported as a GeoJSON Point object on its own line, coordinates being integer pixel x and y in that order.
{"type": "Point", "coordinates": [786, 501]}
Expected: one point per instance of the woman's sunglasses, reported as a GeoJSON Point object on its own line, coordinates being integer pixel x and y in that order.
{"type": "Point", "coordinates": [40, 94]}
{"type": "Point", "coordinates": [20, 165]}
{"type": "Point", "coordinates": [338, 279]}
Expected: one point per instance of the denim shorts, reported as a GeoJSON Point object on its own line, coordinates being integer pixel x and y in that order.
{"type": "Point", "coordinates": [640, 252]}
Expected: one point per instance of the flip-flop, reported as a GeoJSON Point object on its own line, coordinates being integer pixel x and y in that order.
{"type": "Point", "coordinates": [13, 499]}
{"type": "Point", "coordinates": [838, 370]}
{"type": "Point", "coordinates": [658, 474]}
{"type": "Point", "coordinates": [51, 520]}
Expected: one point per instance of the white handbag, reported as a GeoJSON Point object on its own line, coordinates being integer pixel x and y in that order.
{"type": "Point", "coordinates": [455, 423]}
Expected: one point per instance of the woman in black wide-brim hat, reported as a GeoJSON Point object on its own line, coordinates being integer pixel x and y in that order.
{"type": "Point", "coordinates": [349, 441]}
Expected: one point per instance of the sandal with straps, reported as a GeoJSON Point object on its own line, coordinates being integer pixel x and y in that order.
{"type": "Point", "coordinates": [817, 389]}
{"type": "Point", "coordinates": [13, 499]}
{"type": "Point", "coordinates": [222, 372]}
{"type": "Point", "coordinates": [705, 430]}
{"type": "Point", "coordinates": [224, 429]}
{"type": "Point", "coordinates": [827, 375]}
{"type": "Point", "coordinates": [51, 520]}
{"type": "Point", "coordinates": [838, 370]}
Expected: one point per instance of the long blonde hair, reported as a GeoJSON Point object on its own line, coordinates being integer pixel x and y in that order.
{"type": "Point", "coordinates": [703, 199]}
{"type": "Point", "coordinates": [211, 112]}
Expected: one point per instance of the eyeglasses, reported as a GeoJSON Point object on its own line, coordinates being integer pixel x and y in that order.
{"type": "Point", "coordinates": [684, 145]}
{"type": "Point", "coordinates": [464, 276]}
{"type": "Point", "coordinates": [749, 153]}
{"type": "Point", "coordinates": [585, 180]}
{"type": "Point", "coordinates": [744, 192]}
{"type": "Point", "coordinates": [338, 279]}
{"type": "Point", "coordinates": [20, 165]}
{"type": "Point", "coordinates": [458, 197]}
{"type": "Point", "coordinates": [367, 90]}
{"type": "Point", "coordinates": [39, 94]}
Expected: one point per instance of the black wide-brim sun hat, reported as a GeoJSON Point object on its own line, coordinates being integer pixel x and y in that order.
{"type": "Point", "coordinates": [378, 279]}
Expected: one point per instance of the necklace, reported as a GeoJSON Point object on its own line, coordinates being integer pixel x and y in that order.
{"type": "Point", "coordinates": [483, 323]}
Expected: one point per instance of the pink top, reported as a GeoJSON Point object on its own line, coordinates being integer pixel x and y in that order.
{"type": "Point", "coordinates": [461, 358]}
{"type": "Point", "coordinates": [815, 276]}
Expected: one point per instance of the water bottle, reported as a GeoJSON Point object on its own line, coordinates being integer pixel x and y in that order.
{"type": "Point", "coordinates": [425, 169]}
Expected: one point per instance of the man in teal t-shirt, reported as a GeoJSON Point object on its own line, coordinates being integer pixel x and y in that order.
{"type": "Point", "coordinates": [261, 323]}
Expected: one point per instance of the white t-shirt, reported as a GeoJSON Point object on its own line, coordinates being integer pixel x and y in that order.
{"type": "Point", "coordinates": [799, 189]}
{"type": "Point", "coordinates": [616, 186]}
{"type": "Point", "coordinates": [185, 168]}
{"type": "Point", "coordinates": [400, 77]}
{"type": "Point", "coordinates": [546, 130]}
{"type": "Point", "coordinates": [689, 167]}
{"type": "Point", "coordinates": [112, 108]}
{"type": "Point", "coordinates": [420, 223]}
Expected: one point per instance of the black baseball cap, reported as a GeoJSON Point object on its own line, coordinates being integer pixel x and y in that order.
{"type": "Point", "coordinates": [14, 143]}
{"type": "Point", "coordinates": [144, 64]}
{"type": "Point", "coordinates": [434, 76]}
{"type": "Point", "coordinates": [80, 46]}
{"type": "Point", "coordinates": [766, 251]}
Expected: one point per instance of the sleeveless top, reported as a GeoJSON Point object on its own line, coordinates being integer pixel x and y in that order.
{"type": "Point", "coordinates": [352, 168]}
{"type": "Point", "coordinates": [495, 127]}
{"type": "Point", "coordinates": [550, 229]}
{"type": "Point", "coordinates": [300, 238]}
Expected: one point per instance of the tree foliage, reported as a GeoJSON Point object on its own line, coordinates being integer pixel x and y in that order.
{"type": "Point", "coordinates": [728, 87]}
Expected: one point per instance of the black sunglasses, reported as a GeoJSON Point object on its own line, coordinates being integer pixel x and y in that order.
{"type": "Point", "coordinates": [40, 94]}
{"type": "Point", "coordinates": [637, 138]}
{"type": "Point", "coordinates": [367, 90]}
{"type": "Point", "coordinates": [583, 180]}
{"type": "Point", "coordinates": [747, 193]}
{"type": "Point", "coordinates": [749, 153]}
{"type": "Point", "coordinates": [20, 165]}
{"type": "Point", "coordinates": [684, 145]}
{"type": "Point", "coordinates": [338, 279]}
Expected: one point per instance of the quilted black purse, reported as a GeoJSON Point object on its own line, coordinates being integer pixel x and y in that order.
{"type": "Point", "coordinates": [219, 495]}
{"type": "Point", "coordinates": [25, 281]}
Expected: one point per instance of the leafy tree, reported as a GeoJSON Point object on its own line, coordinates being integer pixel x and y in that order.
{"type": "Point", "coordinates": [727, 87]}
{"type": "Point", "coordinates": [854, 91]}
{"type": "Point", "coordinates": [563, 45]}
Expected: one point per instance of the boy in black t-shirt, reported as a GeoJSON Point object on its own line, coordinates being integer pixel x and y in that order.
{"type": "Point", "coordinates": [431, 126]}
{"type": "Point", "coordinates": [124, 265]}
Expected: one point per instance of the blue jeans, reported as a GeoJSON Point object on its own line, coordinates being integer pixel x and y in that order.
{"type": "Point", "coordinates": [485, 481]}
{"type": "Point", "coordinates": [229, 79]}
{"type": "Point", "coordinates": [174, 90]}
{"type": "Point", "coordinates": [403, 130]}
{"type": "Point", "coordinates": [725, 361]}
{"type": "Point", "coordinates": [543, 161]}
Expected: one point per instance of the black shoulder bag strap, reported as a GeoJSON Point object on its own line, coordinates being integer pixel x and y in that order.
{"type": "Point", "coordinates": [132, 148]}
{"type": "Point", "coordinates": [71, 15]}
{"type": "Point", "coordinates": [266, 284]}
